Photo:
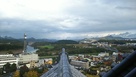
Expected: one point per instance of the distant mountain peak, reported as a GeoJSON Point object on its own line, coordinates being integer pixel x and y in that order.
{"type": "Point", "coordinates": [111, 37]}
{"type": "Point", "coordinates": [125, 35]}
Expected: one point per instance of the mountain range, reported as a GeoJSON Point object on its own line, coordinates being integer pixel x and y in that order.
{"type": "Point", "coordinates": [28, 39]}
{"type": "Point", "coordinates": [125, 35]}
{"type": "Point", "coordinates": [121, 36]}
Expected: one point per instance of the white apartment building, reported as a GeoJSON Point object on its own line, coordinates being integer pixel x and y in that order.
{"type": "Point", "coordinates": [103, 54]}
{"type": "Point", "coordinates": [80, 64]}
{"type": "Point", "coordinates": [5, 58]}
{"type": "Point", "coordinates": [26, 58]}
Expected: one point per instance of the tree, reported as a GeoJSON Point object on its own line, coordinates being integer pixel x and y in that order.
{"type": "Point", "coordinates": [0, 72]}
{"type": "Point", "coordinates": [23, 70]}
{"type": "Point", "coordinates": [13, 67]}
{"type": "Point", "coordinates": [16, 74]}
{"type": "Point", "coordinates": [45, 70]}
{"type": "Point", "coordinates": [6, 67]}
{"type": "Point", "coordinates": [39, 70]}
{"type": "Point", "coordinates": [31, 74]}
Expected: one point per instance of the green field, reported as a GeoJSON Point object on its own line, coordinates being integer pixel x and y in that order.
{"type": "Point", "coordinates": [41, 57]}
{"type": "Point", "coordinates": [47, 46]}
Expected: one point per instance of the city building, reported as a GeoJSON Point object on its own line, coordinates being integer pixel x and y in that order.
{"type": "Point", "coordinates": [96, 58]}
{"type": "Point", "coordinates": [8, 58]}
{"type": "Point", "coordinates": [131, 44]}
{"type": "Point", "coordinates": [48, 61]}
{"type": "Point", "coordinates": [80, 64]}
{"type": "Point", "coordinates": [103, 54]}
{"type": "Point", "coordinates": [26, 58]}
{"type": "Point", "coordinates": [73, 57]}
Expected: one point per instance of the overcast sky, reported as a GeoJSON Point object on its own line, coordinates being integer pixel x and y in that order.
{"type": "Point", "coordinates": [66, 19]}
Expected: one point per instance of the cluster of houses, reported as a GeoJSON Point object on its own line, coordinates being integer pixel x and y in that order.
{"type": "Point", "coordinates": [103, 61]}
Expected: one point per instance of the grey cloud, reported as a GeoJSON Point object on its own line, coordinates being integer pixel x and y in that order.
{"type": "Point", "coordinates": [84, 27]}
{"type": "Point", "coordinates": [126, 8]}
{"type": "Point", "coordinates": [44, 29]}
{"type": "Point", "coordinates": [121, 4]}
{"type": "Point", "coordinates": [16, 27]}
{"type": "Point", "coordinates": [89, 16]}
{"type": "Point", "coordinates": [107, 13]}
{"type": "Point", "coordinates": [119, 1]}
